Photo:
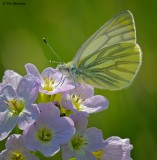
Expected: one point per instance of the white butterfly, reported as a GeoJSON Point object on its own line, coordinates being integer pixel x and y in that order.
{"type": "Point", "coordinates": [110, 58]}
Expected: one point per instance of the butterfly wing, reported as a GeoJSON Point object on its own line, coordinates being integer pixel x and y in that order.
{"type": "Point", "coordinates": [112, 67]}
{"type": "Point", "coordinates": [120, 28]}
{"type": "Point", "coordinates": [111, 58]}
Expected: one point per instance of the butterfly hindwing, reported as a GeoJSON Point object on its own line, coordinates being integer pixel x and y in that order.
{"type": "Point", "coordinates": [112, 67]}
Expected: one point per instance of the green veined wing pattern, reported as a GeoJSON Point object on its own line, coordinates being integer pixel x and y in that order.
{"type": "Point", "coordinates": [120, 28]}
{"type": "Point", "coordinates": [112, 67]}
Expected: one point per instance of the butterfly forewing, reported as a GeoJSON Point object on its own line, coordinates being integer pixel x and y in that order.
{"type": "Point", "coordinates": [112, 67]}
{"type": "Point", "coordinates": [119, 29]}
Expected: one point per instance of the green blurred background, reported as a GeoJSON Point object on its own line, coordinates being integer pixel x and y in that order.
{"type": "Point", "coordinates": [132, 112]}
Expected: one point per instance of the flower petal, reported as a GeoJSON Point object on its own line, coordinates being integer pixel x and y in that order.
{"type": "Point", "coordinates": [5, 154]}
{"type": "Point", "coordinates": [48, 73]}
{"type": "Point", "coordinates": [7, 123]}
{"type": "Point", "coordinates": [83, 155]}
{"type": "Point", "coordinates": [33, 143]}
{"type": "Point", "coordinates": [80, 121]}
{"type": "Point", "coordinates": [30, 156]}
{"type": "Point", "coordinates": [95, 104]}
{"type": "Point", "coordinates": [28, 89]}
{"type": "Point", "coordinates": [67, 151]}
{"type": "Point", "coordinates": [15, 144]}
{"type": "Point", "coordinates": [12, 78]}
{"type": "Point", "coordinates": [63, 88]}
{"type": "Point", "coordinates": [66, 102]}
{"type": "Point", "coordinates": [61, 83]}
{"type": "Point", "coordinates": [1, 86]}
{"type": "Point", "coordinates": [31, 69]}
{"type": "Point", "coordinates": [29, 137]}
{"type": "Point", "coordinates": [12, 142]}
{"type": "Point", "coordinates": [28, 116]}
{"type": "Point", "coordinates": [85, 91]}
{"type": "Point", "coordinates": [63, 130]}
{"type": "Point", "coordinates": [59, 130]}
{"type": "Point", "coordinates": [8, 93]}
{"type": "Point", "coordinates": [49, 149]}
{"type": "Point", "coordinates": [94, 139]}
{"type": "Point", "coordinates": [117, 148]}
{"type": "Point", "coordinates": [48, 111]}
{"type": "Point", "coordinates": [3, 105]}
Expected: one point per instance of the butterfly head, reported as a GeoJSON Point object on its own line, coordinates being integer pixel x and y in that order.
{"type": "Point", "coordinates": [61, 67]}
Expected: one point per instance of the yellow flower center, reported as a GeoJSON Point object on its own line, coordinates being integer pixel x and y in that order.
{"type": "Point", "coordinates": [77, 102]}
{"type": "Point", "coordinates": [17, 156]}
{"type": "Point", "coordinates": [98, 154]}
{"type": "Point", "coordinates": [44, 134]}
{"type": "Point", "coordinates": [77, 141]}
{"type": "Point", "coordinates": [16, 105]}
{"type": "Point", "coordinates": [48, 84]}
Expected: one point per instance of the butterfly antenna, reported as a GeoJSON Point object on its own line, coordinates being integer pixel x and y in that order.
{"type": "Point", "coordinates": [52, 50]}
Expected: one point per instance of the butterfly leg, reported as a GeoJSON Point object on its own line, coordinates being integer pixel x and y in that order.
{"type": "Point", "coordinates": [60, 81]}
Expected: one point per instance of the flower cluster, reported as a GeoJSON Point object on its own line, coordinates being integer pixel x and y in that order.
{"type": "Point", "coordinates": [40, 113]}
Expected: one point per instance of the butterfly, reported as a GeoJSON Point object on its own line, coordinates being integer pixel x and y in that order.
{"type": "Point", "coordinates": [110, 58]}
